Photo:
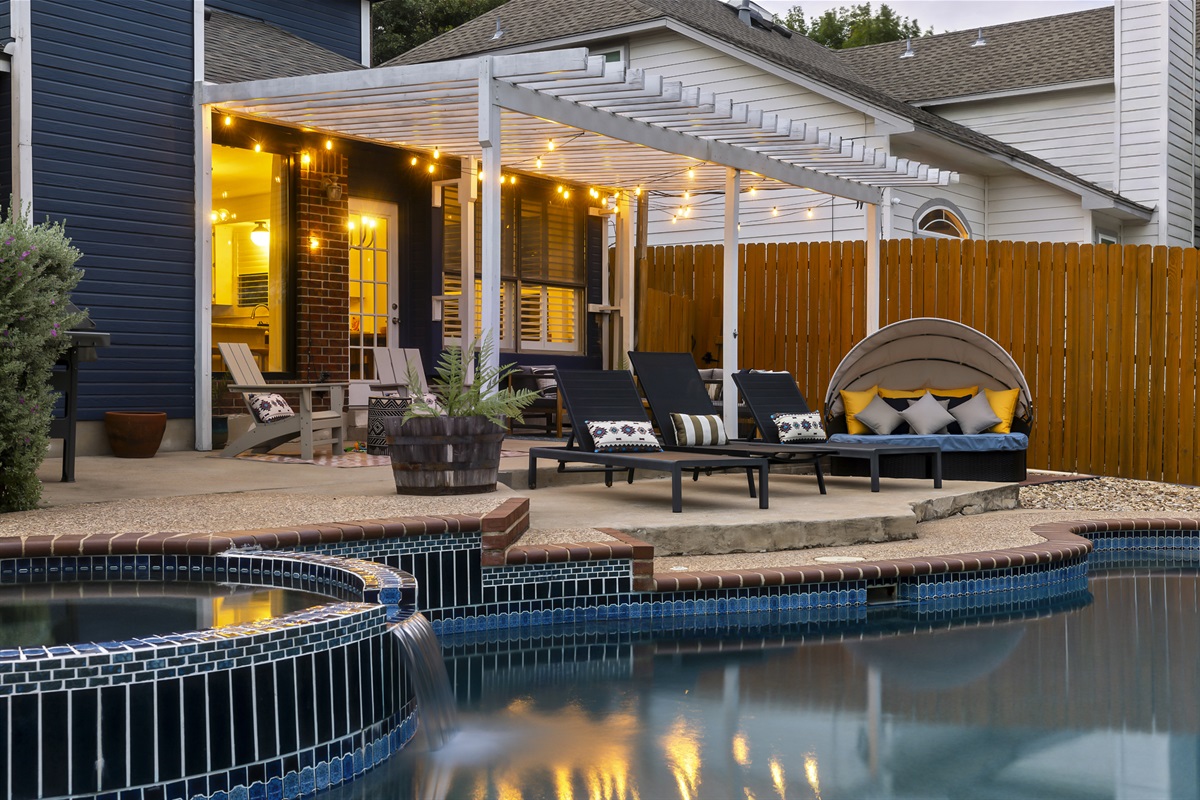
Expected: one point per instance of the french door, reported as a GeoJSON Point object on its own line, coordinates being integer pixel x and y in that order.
{"type": "Point", "coordinates": [374, 314]}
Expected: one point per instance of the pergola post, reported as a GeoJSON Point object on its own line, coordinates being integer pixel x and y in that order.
{"type": "Point", "coordinates": [489, 142]}
{"type": "Point", "coordinates": [731, 303]}
{"type": "Point", "coordinates": [626, 272]}
{"type": "Point", "coordinates": [873, 293]}
{"type": "Point", "coordinates": [468, 193]}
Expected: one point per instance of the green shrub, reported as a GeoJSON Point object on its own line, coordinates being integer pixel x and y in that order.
{"type": "Point", "coordinates": [37, 274]}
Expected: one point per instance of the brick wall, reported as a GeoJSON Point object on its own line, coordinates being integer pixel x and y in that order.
{"type": "Point", "coordinates": [322, 258]}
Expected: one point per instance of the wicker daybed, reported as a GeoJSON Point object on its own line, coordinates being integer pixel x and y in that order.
{"type": "Point", "coordinates": [932, 352]}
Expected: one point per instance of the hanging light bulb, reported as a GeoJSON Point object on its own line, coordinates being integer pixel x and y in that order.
{"type": "Point", "coordinates": [674, 219]}
{"type": "Point", "coordinates": [638, 191]}
{"type": "Point", "coordinates": [329, 144]}
{"type": "Point", "coordinates": [560, 190]}
{"type": "Point", "coordinates": [810, 213]}
{"type": "Point", "coordinates": [305, 158]}
{"type": "Point", "coordinates": [753, 190]}
{"type": "Point", "coordinates": [430, 169]}
{"type": "Point", "coordinates": [566, 194]}
{"type": "Point", "coordinates": [413, 161]}
{"type": "Point", "coordinates": [260, 235]}
{"type": "Point", "coordinates": [228, 120]}
{"type": "Point", "coordinates": [691, 174]}
{"type": "Point", "coordinates": [257, 147]}
{"type": "Point", "coordinates": [538, 162]}
{"type": "Point", "coordinates": [775, 211]}
{"type": "Point", "coordinates": [437, 153]}
{"type": "Point", "coordinates": [686, 194]}
{"type": "Point", "coordinates": [549, 144]}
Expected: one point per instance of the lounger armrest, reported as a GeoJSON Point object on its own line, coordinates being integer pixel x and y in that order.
{"type": "Point", "coordinates": [336, 391]}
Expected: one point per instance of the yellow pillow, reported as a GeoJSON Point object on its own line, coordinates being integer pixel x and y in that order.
{"type": "Point", "coordinates": [966, 391]}
{"type": "Point", "coordinates": [854, 402]}
{"type": "Point", "coordinates": [1004, 405]}
{"type": "Point", "coordinates": [901, 393]}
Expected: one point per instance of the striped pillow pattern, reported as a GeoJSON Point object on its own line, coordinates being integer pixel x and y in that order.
{"type": "Point", "coordinates": [699, 429]}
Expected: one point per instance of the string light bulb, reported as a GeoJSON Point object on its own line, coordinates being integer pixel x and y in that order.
{"type": "Point", "coordinates": [437, 153]}
{"type": "Point", "coordinates": [538, 162]}
{"type": "Point", "coordinates": [566, 194]}
{"type": "Point", "coordinates": [560, 190]}
{"type": "Point", "coordinates": [775, 211]}
{"type": "Point", "coordinates": [329, 144]}
{"type": "Point", "coordinates": [810, 213]}
{"type": "Point", "coordinates": [305, 158]}
{"type": "Point", "coordinates": [753, 190]}
{"type": "Point", "coordinates": [430, 169]}
{"type": "Point", "coordinates": [691, 174]}
{"type": "Point", "coordinates": [549, 144]}
{"type": "Point", "coordinates": [228, 120]}
{"type": "Point", "coordinates": [413, 161]}
{"type": "Point", "coordinates": [638, 191]}
{"type": "Point", "coordinates": [686, 194]}
{"type": "Point", "coordinates": [257, 147]}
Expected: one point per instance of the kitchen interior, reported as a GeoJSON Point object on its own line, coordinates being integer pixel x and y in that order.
{"type": "Point", "coordinates": [248, 247]}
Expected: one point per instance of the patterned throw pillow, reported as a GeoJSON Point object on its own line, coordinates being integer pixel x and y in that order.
{"type": "Point", "coordinates": [269, 407]}
{"type": "Point", "coordinates": [699, 429]}
{"type": "Point", "coordinates": [799, 427]}
{"type": "Point", "coordinates": [622, 436]}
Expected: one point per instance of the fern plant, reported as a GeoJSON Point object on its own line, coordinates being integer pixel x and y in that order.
{"type": "Point", "coordinates": [486, 396]}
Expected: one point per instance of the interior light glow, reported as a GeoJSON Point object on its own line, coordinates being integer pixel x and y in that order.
{"type": "Point", "coordinates": [260, 235]}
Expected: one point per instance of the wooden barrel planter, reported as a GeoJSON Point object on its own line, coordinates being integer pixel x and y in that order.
{"type": "Point", "coordinates": [444, 455]}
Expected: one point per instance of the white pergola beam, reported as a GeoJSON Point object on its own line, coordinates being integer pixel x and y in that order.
{"type": "Point", "coordinates": [615, 126]}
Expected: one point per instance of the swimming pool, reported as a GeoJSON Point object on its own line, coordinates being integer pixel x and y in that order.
{"type": "Point", "coordinates": [1088, 696]}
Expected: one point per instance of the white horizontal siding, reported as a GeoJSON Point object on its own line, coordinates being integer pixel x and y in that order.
{"type": "Point", "coordinates": [1022, 209]}
{"type": "Point", "coordinates": [968, 196]}
{"type": "Point", "coordinates": [1072, 129]}
{"type": "Point", "coordinates": [676, 57]}
{"type": "Point", "coordinates": [1180, 94]}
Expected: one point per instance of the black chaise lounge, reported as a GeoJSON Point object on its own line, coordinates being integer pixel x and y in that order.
{"type": "Point", "coordinates": [768, 393]}
{"type": "Point", "coordinates": [672, 385]}
{"type": "Point", "coordinates": [595, 395]}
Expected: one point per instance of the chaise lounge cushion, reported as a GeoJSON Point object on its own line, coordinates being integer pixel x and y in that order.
{"type": "Point", "coordinates": [623, 436]}
{"type": "Point", "coordinates": [979, 443]}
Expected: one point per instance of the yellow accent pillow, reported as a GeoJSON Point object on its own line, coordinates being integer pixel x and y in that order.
{"type": "Point", "coordinates": [901, 393]}
{"type": "Point", "coordinates": [1004, 405]}
{"type": "Point", "coordinates": [966, 391]}
{"type": "Point", "coordinates": [854, 402]}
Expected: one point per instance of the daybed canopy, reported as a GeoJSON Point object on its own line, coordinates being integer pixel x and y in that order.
{"type": "Point", "coordinates": [927, 351]}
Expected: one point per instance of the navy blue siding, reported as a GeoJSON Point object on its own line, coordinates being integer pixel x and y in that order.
{"type": "Point", "coordinates": [5, 21]}
{"type": "Point", "coordinates": [334, 24]}
{"type": "Point", "coordinates": [113, 159]}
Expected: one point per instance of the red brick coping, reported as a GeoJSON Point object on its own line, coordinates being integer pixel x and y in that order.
{"type": "Point", "coordinates": [502, 528]}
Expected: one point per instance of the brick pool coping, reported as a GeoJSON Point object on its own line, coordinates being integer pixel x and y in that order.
{"type": "Point", "coordinates": [502, 528]}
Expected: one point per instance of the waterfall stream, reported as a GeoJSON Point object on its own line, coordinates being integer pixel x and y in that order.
{"type": "Point", "coordinates": [435, 698]}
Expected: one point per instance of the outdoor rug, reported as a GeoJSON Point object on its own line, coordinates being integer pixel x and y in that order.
{"type": "Point", "coordinates": [344, 460]}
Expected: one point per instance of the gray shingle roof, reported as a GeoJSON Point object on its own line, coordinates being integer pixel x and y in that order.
{"type": "Point", "coordinates": [528, 22]}
{"type": "Point", "coordinates": [238, 48]}
{"type": "Point", "coordinates": [1019, 55]}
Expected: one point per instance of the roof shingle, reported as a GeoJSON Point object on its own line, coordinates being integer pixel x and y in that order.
{"type": "Point", "coordinates": [238, 48]}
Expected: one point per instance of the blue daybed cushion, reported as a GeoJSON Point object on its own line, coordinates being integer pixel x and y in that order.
{"type": "Point", "coordinates": [978, 443]}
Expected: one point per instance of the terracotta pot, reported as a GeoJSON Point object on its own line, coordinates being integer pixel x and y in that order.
{"type": "Point", "coordinates": [135, 434]}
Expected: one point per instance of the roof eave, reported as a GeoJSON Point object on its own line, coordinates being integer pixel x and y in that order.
{"type": "Point", "coordinates": [1006, 93]}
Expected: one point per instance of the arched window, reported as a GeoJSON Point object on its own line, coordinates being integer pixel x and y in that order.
{"type": "Point", "coordinates": [941, 218]}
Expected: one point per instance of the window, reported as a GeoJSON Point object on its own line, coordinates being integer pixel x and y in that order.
{"type": "Point", "coordinates": [250, 268]}
{"type": "Point", "coordinates": [1107, 237]}
{"type": "Point", "coordinates": [543, 271]}
{"type": "Point", "coordinates": [941, 218]}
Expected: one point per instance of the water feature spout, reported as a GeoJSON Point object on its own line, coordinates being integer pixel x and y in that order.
{"type": "Point", "coordinates": [435, 698]}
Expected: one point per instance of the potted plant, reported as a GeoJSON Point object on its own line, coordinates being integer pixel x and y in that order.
{"type": "Point", "coordinates": [449, 442]}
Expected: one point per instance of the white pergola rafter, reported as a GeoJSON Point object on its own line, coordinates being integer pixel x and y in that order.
{"type": "Point", "coordinates": [620, 127]}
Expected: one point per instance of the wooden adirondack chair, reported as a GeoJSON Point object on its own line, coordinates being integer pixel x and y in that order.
{"type": "Point", "coordinates": [391, 371]}
{"type": "Point", "coordinates": [313, 428]}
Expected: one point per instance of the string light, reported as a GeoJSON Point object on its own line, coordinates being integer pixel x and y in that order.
{"type": "Point", "coordinates": [566, 194]}
{"type": "Point", "coordinates": [549, 144]}
{"type": "Point", "coordinates": [257, 147]}
{"type": "Point", "coordinates": [691, 174]}
{"type": "Point", "coordinates": [228, 120]}
{"type": "Point", "coordinates": [413, 161]}
{"type": "Point", "coordinates": [810, 213]}
{"type": "Point", "coordinates": [538, 162]}
{"type": "Point", "coordinates": [775, 211]}
{"type": "Point", "coordinates": [638, 191]}
{"type": "Point", "coordinates": [329, 144]}
{"type": "Point", "coordinates": [431, 169]}
{"type": "Point", "coordinates": [687, 195]}
{"type": "Point", "coordinates": [305, 158]}
{"type": "Point", "coordinates": [561, 190]}
{"type": "Point", "coordinates": [753, 190]}
{"type": "Point", "coordinates": [437, 153]}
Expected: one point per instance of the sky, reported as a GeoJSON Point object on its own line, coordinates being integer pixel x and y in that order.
{"type": "Point", "coordinates": [950, 15]}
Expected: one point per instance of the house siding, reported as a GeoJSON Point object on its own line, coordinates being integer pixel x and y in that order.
{"type": "Point", "coordinates": [334, 24]}
{"type": "Point", "coordinates": [968, 196]}
{"type": "Point", "coordinates": [1023, 209]}
{"type": "Point", "coordinates": [1072, 128]}
{"type": "Point", "coordinates": [113, 159]}
{"type": "Point", "coordinates": [1155, 124]}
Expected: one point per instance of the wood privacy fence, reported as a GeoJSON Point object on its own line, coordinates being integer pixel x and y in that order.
{"type": "Point", "coordinates": [1105, 334]}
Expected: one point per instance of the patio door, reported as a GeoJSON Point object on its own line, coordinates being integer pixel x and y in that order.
{"type": "Point", "coordinates": [374, 312]}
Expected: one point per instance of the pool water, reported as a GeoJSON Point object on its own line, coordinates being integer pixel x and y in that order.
{"type": "Point", "coordinates": [71, 613]}
{"type": "Point", "coordinates": [1094, 697]}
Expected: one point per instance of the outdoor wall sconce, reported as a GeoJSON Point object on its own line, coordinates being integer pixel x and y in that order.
{"type": "Point", "coordinates": [333, 191]}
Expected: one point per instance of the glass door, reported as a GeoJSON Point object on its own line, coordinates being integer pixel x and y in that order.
{"type": "Point", "coordinates": [374, 315]}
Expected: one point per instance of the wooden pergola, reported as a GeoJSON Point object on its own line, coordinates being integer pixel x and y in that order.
{"type": "Point", "coordinates": [624, 125]}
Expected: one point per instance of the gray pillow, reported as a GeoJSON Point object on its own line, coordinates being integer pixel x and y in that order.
{"type": "Point", "coordinates": [975, 415]}
{"type": "Point", "coordinates": [879, 416]}
{"type": "Point", "coordinates": [927, 415]}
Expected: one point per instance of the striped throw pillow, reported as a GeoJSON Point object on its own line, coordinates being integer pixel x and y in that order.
{"type": "Point", "coordinates": [699, 429]}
